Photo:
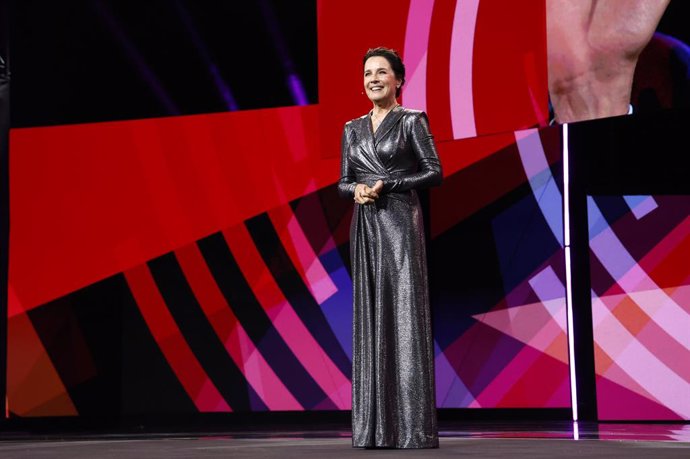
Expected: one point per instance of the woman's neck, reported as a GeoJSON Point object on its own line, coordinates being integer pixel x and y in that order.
{"type": "Point", "coordinates": [384, 107]}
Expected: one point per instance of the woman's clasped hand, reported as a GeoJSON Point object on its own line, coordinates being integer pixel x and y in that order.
{"type": "Point", "coordinates": [365, 194]}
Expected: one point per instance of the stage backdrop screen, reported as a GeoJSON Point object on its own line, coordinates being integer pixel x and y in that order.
{"type": "Point", "coordinates": [174, 254]}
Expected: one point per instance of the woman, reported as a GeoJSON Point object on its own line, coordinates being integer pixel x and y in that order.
{"type": "Point", "coordinates": [387, 155]}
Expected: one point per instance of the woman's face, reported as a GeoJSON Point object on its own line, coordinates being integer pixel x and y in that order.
{"type": "Point", "coordinates": [380, 82]}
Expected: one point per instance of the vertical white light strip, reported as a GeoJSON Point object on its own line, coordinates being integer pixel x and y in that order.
{"type": "Point", "coordinates": [568, 271]}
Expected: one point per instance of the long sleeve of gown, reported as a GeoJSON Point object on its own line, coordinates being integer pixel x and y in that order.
{"type": "Point", "coordinates": [347, 181]}
{"type": "Point", "coordinates": [429, 172]}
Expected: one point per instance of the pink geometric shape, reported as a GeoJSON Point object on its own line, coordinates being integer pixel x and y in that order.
{"type": "Point", "coordinates": [537, 325]}
{"type": "Point", "coordinates": [669, 315]}
{"type": "Point", "coordinates": [668, 349]}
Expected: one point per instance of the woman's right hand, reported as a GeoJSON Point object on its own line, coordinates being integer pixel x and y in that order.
{"type": "Point", "coordinates": [365, 194]}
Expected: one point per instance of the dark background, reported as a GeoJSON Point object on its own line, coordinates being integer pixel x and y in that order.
{"type": "Point", "coordinates": [78, 61]}
{"type": "Point", "coordinates": [675, 20]}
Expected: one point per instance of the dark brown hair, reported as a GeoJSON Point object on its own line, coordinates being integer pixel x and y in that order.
{"type": "Point", "coordinates": [393, 59]}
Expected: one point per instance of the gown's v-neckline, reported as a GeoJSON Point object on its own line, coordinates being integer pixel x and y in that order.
{"type": "Point", "coordinates": [371, 121]}
{"type": "Point", "coordinates": [371, 124]}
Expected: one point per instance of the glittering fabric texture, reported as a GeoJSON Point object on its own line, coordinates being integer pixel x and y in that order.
{"type": "Point", "coordinates": [393, 392]}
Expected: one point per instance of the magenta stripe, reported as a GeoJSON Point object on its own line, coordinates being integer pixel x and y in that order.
{"type": "Point", "coordinates": [317, 279]}
{"type": "Point", "coordinates": [415, 52]}
{"type": "Point", "coordinates": [260, 375]}
{"type": "Point", "coordinates": [461, 51]}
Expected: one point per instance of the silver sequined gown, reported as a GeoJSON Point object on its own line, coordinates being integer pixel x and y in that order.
{"type": "Point", "coordinates": [393, 392]}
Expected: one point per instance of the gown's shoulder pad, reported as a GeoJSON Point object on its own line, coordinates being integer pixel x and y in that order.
{"type": "Point", "coordinates": [411, 112]}
{"type": "Point", "coordinates": [354, 126]}
{"type": "Point", "coordinates": [355, 121]}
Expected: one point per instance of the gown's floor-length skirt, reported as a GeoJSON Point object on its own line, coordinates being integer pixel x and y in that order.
{"type": "Point", "coordinates": [393, 392]}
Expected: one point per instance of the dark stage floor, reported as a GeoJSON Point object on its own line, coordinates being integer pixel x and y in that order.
{"type": "Point", "coordinates": [485, 440]}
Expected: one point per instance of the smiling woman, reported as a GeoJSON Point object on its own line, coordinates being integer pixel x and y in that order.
{"type": "Point", "coordinates": [387, 154]}
{"type": "Point", "coordinates": [382, 85]}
